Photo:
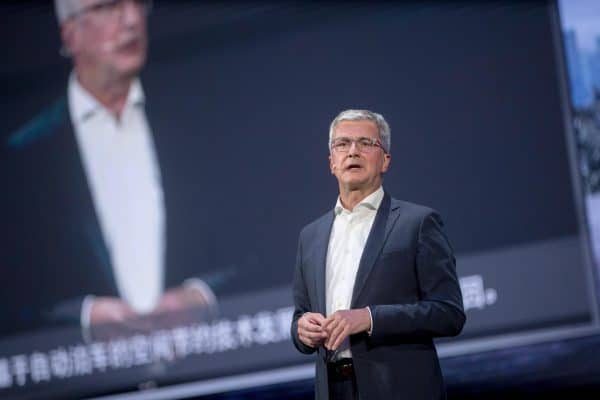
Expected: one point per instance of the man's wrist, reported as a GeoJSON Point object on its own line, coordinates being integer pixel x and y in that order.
{"type": "Point", "coordinates": [202, 288]}
{"type": "Point", "coordinates": [86, 317]}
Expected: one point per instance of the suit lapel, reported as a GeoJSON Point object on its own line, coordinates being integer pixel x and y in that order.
{"type": "Point", "coordinates": [322, 243]}
{"type": "Point", "coordinates": [77, 192]}
{"type": "Point", "coordinates": [163, 156]}
{"type": "Point", "coordinates": [52, 142]}
{"type": "Point", "coordinates": [382, 226]}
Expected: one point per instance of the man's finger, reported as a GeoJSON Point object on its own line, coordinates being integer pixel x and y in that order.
{"type": "Point", "coordinates": [341, 337]}
{"type": "Point", "coordinates": [331, 323]}
{"type": "Point", "coordinates": [314, 335]}
{"type": "Point", "coordinates": [313, 318]}
{"type": "Point", "coordinates": [307, 341]}
{"type": "Point", "coordinates": [327, 324]}
{"type": "Point", "coordinates": [329, 327]}
{"type": "Point", "coordinates": [310, 327]}
{"type": "Point", "coordinates": [316, 318]}
{"type": "Point", "coordinates": [335, 332]}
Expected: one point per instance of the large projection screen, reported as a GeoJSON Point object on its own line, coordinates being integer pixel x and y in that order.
{"type": "Point", "coordinates": [238, 99]}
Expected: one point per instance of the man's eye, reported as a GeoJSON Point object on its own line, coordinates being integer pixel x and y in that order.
{"type": "Point", "coordinates": [105, 6]}
{"type": "Point", "coordinates": [365, 142]}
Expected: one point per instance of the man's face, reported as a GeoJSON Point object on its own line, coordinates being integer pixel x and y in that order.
{"type": "Point", "coordinates": [108, 38]}
{"type": "Point", "coordinates": [356, 169]}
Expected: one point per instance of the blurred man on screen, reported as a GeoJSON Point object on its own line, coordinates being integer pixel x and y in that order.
{"type": "Point", "coordinates": [375, 279]}
{"type": "Point", "coordinates": [109, 242]}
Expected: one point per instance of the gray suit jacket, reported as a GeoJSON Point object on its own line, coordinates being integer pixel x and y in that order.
{"type": "Point", "coordinates": [407, 276]}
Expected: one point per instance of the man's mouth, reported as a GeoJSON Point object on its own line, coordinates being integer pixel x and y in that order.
{"type": "Point", "coordinates": [353, 167]}
{"type": "Point", "coordinates": [129, 43]}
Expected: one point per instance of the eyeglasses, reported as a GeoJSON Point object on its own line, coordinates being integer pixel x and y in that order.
{"type": "Point", "coordinates": [363, 144]}
{"type": "Point", "coordinates": [109, 10]}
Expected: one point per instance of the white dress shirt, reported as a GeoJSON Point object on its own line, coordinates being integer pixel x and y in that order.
{"type": "Point", "coordinates": [123, 175]}
{"type": "Point", "coordinates": [349, 235]}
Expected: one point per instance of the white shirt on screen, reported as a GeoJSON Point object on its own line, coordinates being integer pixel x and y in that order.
{"type": "Point", "coordinates": [347, 241]}
{"type": "Point", "coordinates": [124, 178]}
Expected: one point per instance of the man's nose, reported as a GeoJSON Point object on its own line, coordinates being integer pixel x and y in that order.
{"type": "Point", "coordinates": [353, 150]}
{"type": "Point", "coordinates": [132, 12]}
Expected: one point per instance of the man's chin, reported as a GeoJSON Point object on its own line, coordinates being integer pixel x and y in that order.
{"type": "Point", "coordinates": [355, 184]}
{"type": "Point", "coordinates": [131, 65]}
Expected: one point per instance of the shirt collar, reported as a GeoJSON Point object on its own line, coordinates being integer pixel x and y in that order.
{"type": "Point", "coordinates": [371, 202]}
{"type": "Point", "coordinates": [83, 105]}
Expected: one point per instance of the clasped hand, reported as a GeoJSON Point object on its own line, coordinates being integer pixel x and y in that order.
{"type": "Point", "coordinates": [315, 330]}
{"type": "Point", "coordinates": [112, 317]}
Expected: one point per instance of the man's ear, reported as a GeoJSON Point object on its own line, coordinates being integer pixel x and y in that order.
{"type": "Point", "coordinates": [331, 165]}
{"type": "Point", "coordinates": [68, 36]}
{"type": "Point", "coordinates": [386, 162]}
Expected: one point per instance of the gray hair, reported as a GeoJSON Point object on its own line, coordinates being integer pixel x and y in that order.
{"type": "Point", "coordinates": [364, 115]}
{"type": "Point", "coordinates": [65, 9]}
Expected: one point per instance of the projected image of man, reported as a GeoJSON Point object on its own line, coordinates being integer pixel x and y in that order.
{"type": "Point", "coordinates": [107, 181]}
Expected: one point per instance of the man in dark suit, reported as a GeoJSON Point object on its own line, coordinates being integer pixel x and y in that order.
{"type": "Point", "coordinates": [99, 217]}
{"type": "Point", "coordinates": [375, 279]}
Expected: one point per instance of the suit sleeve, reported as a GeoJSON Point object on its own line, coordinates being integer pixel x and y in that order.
{"type": "Point", "coordinates": [439, 311]}
{"type": "Point", "coordinates": [301, 301]}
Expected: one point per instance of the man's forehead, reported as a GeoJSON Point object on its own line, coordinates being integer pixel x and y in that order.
{"type": "Point", "coordinates": [363, 127]}
{"type": "Point", "coordinates": [68, 8]}
{"type": "Point", "coordinates": [86, 3]}
{"type": "Point", "coordinates": [79, 5]}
